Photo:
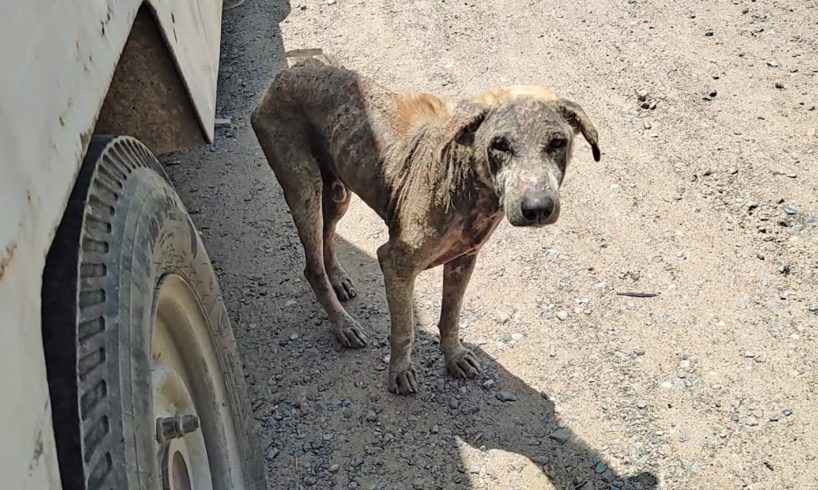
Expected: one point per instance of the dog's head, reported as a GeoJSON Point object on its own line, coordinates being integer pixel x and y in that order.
{"type": "Point", "coordinates": [522, 143]}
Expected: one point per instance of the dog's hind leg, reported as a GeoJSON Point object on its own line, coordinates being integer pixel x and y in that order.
{"type": "Point", "coordinates": [299, 175]}
{"type": "Point", "coordinates": [335, 202]}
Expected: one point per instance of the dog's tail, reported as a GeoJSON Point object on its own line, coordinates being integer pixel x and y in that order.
{"type": "Point", "coordinates": [296, 57]}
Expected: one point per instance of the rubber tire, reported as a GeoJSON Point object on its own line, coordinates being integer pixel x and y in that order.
{"type": "Point", "coordinates": [123, 229]}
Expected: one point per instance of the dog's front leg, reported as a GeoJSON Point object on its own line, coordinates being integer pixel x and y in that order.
{"type": "Point", "coordinates": [461, 362]}
{"type": "Point", "coordinates": [399, 278]}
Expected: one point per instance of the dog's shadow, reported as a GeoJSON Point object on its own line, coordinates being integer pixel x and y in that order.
{"type": "Point", "coordinates": [497, 411]}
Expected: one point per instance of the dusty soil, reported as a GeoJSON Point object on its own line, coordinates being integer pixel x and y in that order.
{"type": "Point", "coordinates": [707, 197]}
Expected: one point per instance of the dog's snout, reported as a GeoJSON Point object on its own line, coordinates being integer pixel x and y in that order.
{"type": "Point", "coordinates": [537, 208]}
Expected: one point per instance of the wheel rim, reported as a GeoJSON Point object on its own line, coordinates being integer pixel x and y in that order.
{"type": "Point", "coordinates": [187, 381]}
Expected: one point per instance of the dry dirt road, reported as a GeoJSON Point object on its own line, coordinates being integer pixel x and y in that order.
{"type": "Point", "coordinates": [706, 195]}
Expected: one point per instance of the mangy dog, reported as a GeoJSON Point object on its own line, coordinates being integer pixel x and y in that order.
{"type": "Point", "coordinates": [440, 173]}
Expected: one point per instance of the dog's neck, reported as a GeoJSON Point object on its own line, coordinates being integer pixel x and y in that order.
{"type": "Point", "coordinates": [469, 185]}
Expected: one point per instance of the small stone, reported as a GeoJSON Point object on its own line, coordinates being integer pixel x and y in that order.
{"type": "Point", "coordinates": [559, 436]}
{"type": "Point", "coordinates": [506, 396]}
{"type": "Point", "coordinates": [290, 302]}
{"type": "Point", "coordinates": [474, 469]}
{"type": "Point", "coordinates": [271, 453]}
{"type": "Point", "coordinates": [334, 468]}
{"type": "Point", "coordinates": [787, 412]}
{"type": "Point", "coordinates": [642, 95]}
{"type": "Point", "coordinates": [487, 384]}
{"type": "Point", "coordinates": [310, 481]}
{"type": "Point", "coordinates": [666, 385]}
{"type": "Point", "coordinates": [371, 416]}
{"type": "Point", "coordinates": [646, 125]}
{"type": "Point", "coordinates": [541, 460]}
{"type": "Point", "coordinates": [751, 421]}
{"type": "Point", "coordinates": [772, 63]}
{"type": "Point", "coordinates": [708, 33]}
{"type": "Point", "coordinates": [552, 351]}
{"type": "Point", "coordinates": [652, 105]}
{"type": "Point", "coordinates": [600, 468]}
{"type": "Point", "coordinates": [435, 429]}
{"type": "Point", "coordinates": [641, 404]}
{"type": "Point", "coordinates": [502, 317]}
{"type": "Point", "coordinates": [330, 2]}
{"type": "Point", "coordinates": [562, 315]}
{"type": "Point", "coordinates": [732, 170]}
{"type": "Point", "coordinates": [790, 210]}
{"type": "Point", "coordinates": [454, 403]}
{"type": "Point", "coordinates": [750, 354]}
{"type": "Point", "coordinates": [779, 85]}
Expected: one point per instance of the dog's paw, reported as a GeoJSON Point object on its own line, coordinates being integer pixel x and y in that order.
{"type": "Point", "coordinates": [463, 364]}
{"type": "Point", "coordinates": [342, 284]}
{"type": "Point", "coordinates": [403, 382]}
{"type": "Point", "coordinates": [350, 333]}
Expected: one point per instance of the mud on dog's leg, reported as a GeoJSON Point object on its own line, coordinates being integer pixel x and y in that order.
{"type": "Point", "coordinates": [335, 203]}
{"type": "Point", "coordinates": [298, 174]}
{"type": "Point", "coordinates": [461, 362]}
{"type": "Point", "coordinates": [399, 279]}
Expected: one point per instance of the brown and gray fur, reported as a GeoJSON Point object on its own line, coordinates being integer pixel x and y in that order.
{"type": "Point", "coordinates": [441, 174]}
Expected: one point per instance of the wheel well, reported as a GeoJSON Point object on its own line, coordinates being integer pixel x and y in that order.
{"type": "Point", "coordinates": [147, 98]}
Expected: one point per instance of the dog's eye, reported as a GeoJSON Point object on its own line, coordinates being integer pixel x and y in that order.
{"type": "Point", "coordinates": [502, 145]}
{"type": "Point", "coordinates": [557, 144]}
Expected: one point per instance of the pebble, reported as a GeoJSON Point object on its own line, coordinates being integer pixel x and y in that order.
{"type": "Point", "coordinates": [708, 33]}
{"type": "Point", "coordinates": [641, 404]}
{"type": "Point", "coordinates": [646, 125]}
{"type": "Point", "coordinates": [772, 63]}
{"type": "Point", "coordinates": [552, 351]}
{"type": "Point", "coordinates": [330, 2]}
{"type": "Point", "coordinates": [474, 469]}
{"type": "Point", "coordinates": [562, 315]}
{"type": "Point", "coordinates": [600, 468]}
{"type": "Point", "coordinates": [779, 85]}
{"type": "Point", "coordinates": [488, 383]}
{"type": "Point", "coordinates": [454, 403]}
{"type": "Point", "coordinates": [310, 481]}
{"type": "Point", "coordinates": [749, 354]}
{"type": "Point", "coordinates": [506, 396]}
{"type": "Point", "coordinates": [732, 170]}
{"type": "Point", "coordinates": [334, 468]}
{"type": "Point", "coordinates": [710, 95]}
{"type": "Point", "coordinates": [666, 385]}
{"type": "Point", "coordinates": [790, 210]}
{"type": "Point", "coordinates": [371, 416]}
{"type": "Point", "coordinates": [642, 95]}
{"type": "Point", "coordinates": [787, 412]}
{"type": "Point", "coordinates": [560, 436]}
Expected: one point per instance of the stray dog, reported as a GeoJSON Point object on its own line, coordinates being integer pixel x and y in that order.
{"type": "Point", "coordinates": [440, 173]}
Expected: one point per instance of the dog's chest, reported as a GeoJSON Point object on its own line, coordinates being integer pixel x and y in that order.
{"type": "Point", "coordinates": [465, 237]}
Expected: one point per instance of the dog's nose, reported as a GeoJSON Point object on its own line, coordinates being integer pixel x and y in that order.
{"type": "Point", "coordinates": [537, 208]}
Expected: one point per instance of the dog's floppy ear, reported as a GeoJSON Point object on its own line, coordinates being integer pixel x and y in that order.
{"type": "Point", "coordinates": [577, 118]}
{"type": "Point", "coordinates": [465, 120]}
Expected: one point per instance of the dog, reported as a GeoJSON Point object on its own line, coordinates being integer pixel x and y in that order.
{"type": "Point", "coordinates": [441, 174]}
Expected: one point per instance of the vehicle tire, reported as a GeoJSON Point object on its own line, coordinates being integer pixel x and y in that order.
{"type": "Point", "coordinates": [145, 378]}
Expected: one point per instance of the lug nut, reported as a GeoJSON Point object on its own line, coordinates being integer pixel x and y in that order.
{"type": "Point", "coordinates": [168, 428]}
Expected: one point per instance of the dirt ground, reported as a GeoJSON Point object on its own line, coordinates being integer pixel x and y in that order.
{"type": "Point", "coordinates": [706, 195]}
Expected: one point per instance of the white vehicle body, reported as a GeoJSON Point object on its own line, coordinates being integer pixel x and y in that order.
{"type": "Point", "coordinates": [58, 60]}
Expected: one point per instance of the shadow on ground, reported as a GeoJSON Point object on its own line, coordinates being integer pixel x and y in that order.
{"type": "Point", "coordinates": [324, 413]}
